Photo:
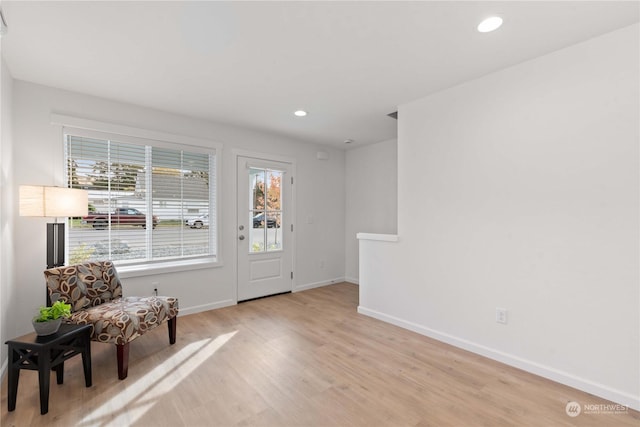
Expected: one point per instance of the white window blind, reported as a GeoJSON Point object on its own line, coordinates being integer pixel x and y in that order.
{"type": "Point", "coordinates": [142, 197]}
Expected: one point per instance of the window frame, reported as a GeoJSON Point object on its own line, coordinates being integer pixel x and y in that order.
{"type": "Point", "coordinates": [129, 135]}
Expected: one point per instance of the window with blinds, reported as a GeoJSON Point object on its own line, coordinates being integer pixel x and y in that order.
{"type": "Point", "coordinates": [147, 201]}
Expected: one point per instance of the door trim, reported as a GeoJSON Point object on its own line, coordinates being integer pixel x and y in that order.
{"type": "Point", "coordinates": [268, 157]}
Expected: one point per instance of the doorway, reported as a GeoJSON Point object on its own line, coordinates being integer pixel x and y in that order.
{"type": "Point", "coordinates": [264, 227]}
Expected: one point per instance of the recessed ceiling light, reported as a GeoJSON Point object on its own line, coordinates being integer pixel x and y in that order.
{"type": "Point", "coordinates": [300, 113]}
{"type": "Point", "coordinates": [490, 24]}
{"type": "Point", "coordinates": [348, 141]}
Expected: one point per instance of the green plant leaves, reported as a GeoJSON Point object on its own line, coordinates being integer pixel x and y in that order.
{"type": "Point", "coordinates": [57, 310]}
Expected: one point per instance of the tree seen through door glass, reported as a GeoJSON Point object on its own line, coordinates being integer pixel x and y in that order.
{"type": "Point", "coordinates": [265, 210]}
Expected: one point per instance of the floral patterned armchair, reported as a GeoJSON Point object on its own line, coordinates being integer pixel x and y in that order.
{"type": "Point", "coordinates": [95, 293]}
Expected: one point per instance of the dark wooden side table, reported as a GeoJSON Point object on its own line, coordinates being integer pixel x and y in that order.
{"type": "Point", "coordinates": [46, 353]}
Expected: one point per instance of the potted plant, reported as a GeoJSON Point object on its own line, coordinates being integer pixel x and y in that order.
{"type": "Point", "coordinates": [49, 319]}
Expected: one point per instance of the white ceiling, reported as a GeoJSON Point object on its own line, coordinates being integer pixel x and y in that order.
{"type": "Point", "coordinates": [252, 64]}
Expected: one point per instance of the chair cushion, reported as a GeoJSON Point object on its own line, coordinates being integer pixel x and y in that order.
{"type": "Point", "coordinates": [123, 320]}
{"type": "Point", "coordinates": [84, 285]}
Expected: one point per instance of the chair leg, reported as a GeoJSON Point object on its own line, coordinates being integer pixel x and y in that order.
{"type": "Point", "coordinates": [171, 323]}
{"type": "Point", "coordinates": [123, 360]}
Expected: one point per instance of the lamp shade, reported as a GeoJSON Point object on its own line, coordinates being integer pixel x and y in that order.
{"type": "Point", "coordinates": [37, 200]}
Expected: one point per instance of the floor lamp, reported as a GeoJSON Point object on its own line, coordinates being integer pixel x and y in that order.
{"type": "Point", "coordinates": [53, 202]}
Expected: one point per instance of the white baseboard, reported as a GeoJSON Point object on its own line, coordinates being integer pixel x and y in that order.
{"type": "Point", "coordinates": [206, 307]}
{"type": "Point", "coordinates": [353, 280]}
{"type": "Point", "coordinates": [553, 374]}
{"type": "Point", "coordinates": [318, 284]}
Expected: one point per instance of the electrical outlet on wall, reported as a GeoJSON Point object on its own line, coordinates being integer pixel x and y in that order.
{"type": "Point", "coordinates": [501, 315]}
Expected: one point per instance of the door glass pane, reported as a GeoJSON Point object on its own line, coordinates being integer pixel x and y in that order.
{"type": "Point", "coordinates": [274, 233]}
{"type": "Point", "coordinates": [257, 214]}
{"type": "Point", "coordinates": [265, 210]}
{"type": "Point", "coordinates": [256, 242]}
{"type": "Point", "coordinates": [274, 211]}
{"type": "Point", "coordinates": [256, 181]}
{"type": "Point", "coordinates": [274, 193]}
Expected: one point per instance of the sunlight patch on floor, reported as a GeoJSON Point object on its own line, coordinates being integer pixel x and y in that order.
{"type": "Point", "coordinates": [137, 398]}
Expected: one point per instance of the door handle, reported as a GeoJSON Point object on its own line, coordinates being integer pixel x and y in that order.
{"type": "Point", "coordinates": [241, 237]}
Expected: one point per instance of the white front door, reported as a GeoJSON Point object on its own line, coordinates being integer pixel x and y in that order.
{"type": "Point", "coordinates": [264, 228]}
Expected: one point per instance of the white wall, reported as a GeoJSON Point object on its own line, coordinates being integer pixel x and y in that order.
{"type": "Point", "coordinates": [7, 282]}
{"type": "Point", "coordinates": [371, 176]}
{"type": "Point", "coordinates": [521, 190]}
{"type": "Point", "coordinates": [38, 159]}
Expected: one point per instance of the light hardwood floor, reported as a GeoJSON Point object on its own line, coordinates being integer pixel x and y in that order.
{"type": "Point", "coordinates": [303, 359]}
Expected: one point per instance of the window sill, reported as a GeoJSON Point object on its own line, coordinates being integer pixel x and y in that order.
{"type": "Point", "coordinates": [126, 271]}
